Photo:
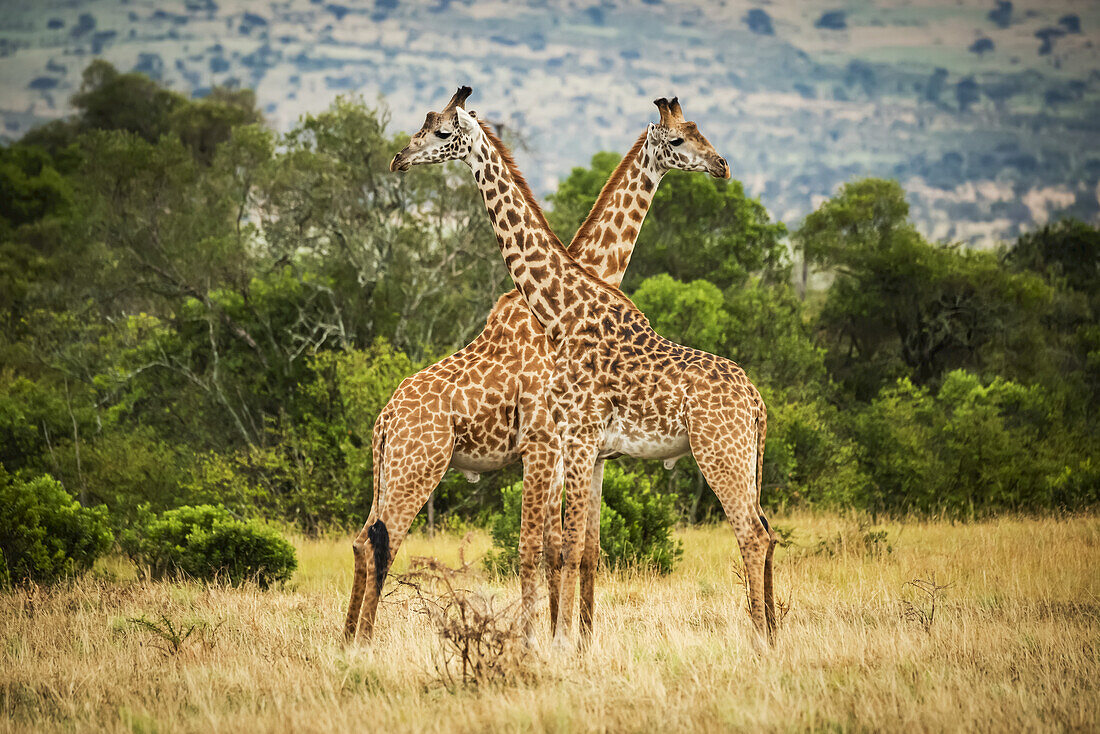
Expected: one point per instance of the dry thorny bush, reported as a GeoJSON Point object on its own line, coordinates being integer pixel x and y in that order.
{"type": "Point", "coordinates": [480, 644]}
{"type": "Point", "coordinates": [782, 606]}
{"type": "Point", "coordinates": [171, 637]}
{"type": "Point", "coordinates": [922, 611]}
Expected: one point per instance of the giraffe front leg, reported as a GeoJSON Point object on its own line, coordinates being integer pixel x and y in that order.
{"type": "Point", "coordinates": [552, 541]}
{"type": "Point", "coordinates": [580, 456]}
{"type": "Point", "coordinates": [539, 470]}
{"type": "Point", "coordinates": [591, 557]}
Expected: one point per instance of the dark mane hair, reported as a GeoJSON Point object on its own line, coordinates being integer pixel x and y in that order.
{"type": "Point", "coordinates": [517, 177]}
{"type": "Point", "coordinates": [604, 198]}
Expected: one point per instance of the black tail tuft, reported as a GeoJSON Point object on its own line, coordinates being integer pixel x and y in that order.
{"type": "Point", "coordinates": [766, 525]}
{"type": "Point", "coordinates": [379, 537]}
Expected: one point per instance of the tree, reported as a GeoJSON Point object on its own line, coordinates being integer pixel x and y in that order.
{"type": "Point", "coordinates": [1067, 251]}
{"type": "Point", "coordinates": [697, 227]}
{"type": "Point", "coordinates": [205, 124]}
{"type": "Point", "coordinates": [899, 306]}
{"type": "Point", "coordinates": [110, 100]}
{"type": "Point", "coordinates": [410, 258]}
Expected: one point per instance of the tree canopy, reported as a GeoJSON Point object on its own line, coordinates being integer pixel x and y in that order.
{"type": "Point", "coordinates": [197, 309]}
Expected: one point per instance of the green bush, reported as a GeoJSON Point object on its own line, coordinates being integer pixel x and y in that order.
{"type": "Point", "coordinates": [46, 534]}
{"type": "Point", "coordinates": [970, 449]}
{"type": "Point", "coordinates": [807, 461]}
{"type": "Point", "coordinates": [636, 525]}
{"type": "Point", "coordinates": [208, 543]}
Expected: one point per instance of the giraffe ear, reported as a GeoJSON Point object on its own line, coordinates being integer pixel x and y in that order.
{"type": "Point", "coordinates": [465, 121]}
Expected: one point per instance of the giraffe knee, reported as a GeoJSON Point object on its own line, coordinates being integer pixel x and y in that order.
{"type": "Point", "coordinates": [570, 555]}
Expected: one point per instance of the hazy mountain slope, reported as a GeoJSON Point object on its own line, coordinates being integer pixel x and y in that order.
{"type": "Point", "coordinates": [988, 114]}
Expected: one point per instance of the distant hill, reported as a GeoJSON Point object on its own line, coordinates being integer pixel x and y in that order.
{"type": "Point", "coordinates": [988, 113]}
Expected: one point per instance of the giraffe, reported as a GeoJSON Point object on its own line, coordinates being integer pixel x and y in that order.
{"type": "Point", "coordinates": [483, 407]}
{"type": "Point", "coordinates": [617, 386]}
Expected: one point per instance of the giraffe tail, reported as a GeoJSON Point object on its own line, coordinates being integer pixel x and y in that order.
{"type": "Point", "coordinates": [769, 581]}
{"type": "Point", "coordinates": [378, 534]}
{"type": "Point", "coordinates": [761, 434]}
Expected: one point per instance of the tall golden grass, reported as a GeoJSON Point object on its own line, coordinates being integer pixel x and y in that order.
{"type": "Point", "coordinates": [1014, 645]}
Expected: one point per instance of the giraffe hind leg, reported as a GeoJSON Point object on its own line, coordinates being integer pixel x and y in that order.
{"type": "Point", "coordinates": [724, 446]}
{"type": "Point", "coordinates": [405, 494]}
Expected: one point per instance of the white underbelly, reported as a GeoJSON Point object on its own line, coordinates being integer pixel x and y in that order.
{"type": "Point", "coordinates": [473, 464]}
{"type": "Point", "coordinates": [642, 446]}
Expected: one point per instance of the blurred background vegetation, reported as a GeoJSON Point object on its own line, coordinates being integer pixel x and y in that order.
{"type": "Point", "coordinates": [197, 310]}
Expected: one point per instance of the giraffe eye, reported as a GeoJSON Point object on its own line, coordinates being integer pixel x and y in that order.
{"type": "Point", "coordinates": [443, 134]}
{"type": "Point", "coordinates": [676, 141]}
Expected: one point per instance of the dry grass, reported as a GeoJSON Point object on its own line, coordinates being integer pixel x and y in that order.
{"type": "Point", "coordinates": [1015, 644]}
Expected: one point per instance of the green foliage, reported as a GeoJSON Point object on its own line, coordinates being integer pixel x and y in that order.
{"type": "Point", "coordinates": [809, 459]}
{"type": "Point", "coordinates": [971, 448]}
{"type": "Point", "coordinates": [756, 325]}
{"type": "Point", "coordinates": [697, 228]}
{"type": "Point", "coordinates": [109, 100]}
{"type": "Point", "coordinates": [209, 543]}
{"type": "Point", "coordinates": [900, 306]}
{"type": "Point", "coordinates": [195, 309]}
{"type": "Point", "coordinates": [46, 535]}
{"type": "Point", "coordinates": [314, 463]}
{"type": "Point", "coordinates": [1067, 251]}
{"type": "Point", "coordinates": [636, 524]}
{"type": "Point", "coordinates": [687, 313]}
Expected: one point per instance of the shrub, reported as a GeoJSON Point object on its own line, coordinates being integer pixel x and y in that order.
{"type": "Point", "coordinates": [806, 459]}
{"type": "Point", "coordinates": [207, 543]}
{"type": "Point", "coordinates": [636, 524]}
{"type": "Point", "coordinates": [46, 534]}
{"type": "Point", "coordinates": [972, 448]}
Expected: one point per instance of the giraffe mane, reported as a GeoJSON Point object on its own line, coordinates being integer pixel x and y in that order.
{"type": "Point", "coordinates": [517, 177]}
{"type": "Point", "coordinates": [604, 199]}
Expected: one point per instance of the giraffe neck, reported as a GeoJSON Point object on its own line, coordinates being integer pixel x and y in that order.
{"type": "Point", "coordinates": [535, 258]}
{"type": "Point", "coordinates": [606, 239]}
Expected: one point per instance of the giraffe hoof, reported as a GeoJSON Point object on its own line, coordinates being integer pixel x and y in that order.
{"type": "Point", "coordinates": [669, 463]}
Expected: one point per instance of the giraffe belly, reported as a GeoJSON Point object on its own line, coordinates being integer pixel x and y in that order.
{"type": "Point", "coordinates": [643, 445]}
{"type": "Point", "coordinates": [475, 461]}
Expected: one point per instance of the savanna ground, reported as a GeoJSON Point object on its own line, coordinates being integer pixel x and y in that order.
{"type": "Point", "coordinates": [1014, 644]}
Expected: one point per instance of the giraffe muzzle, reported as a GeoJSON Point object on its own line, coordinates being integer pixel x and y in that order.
{"type": "Point", "coordinates": [399, 164]}
{"type": "Point", "coordinates": [720, 169]}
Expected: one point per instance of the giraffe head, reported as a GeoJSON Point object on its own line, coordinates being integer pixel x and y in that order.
{"type": "Point", "coordinates": [677, 143]}
{"type": "Point", "coordinates": [445, 136]}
